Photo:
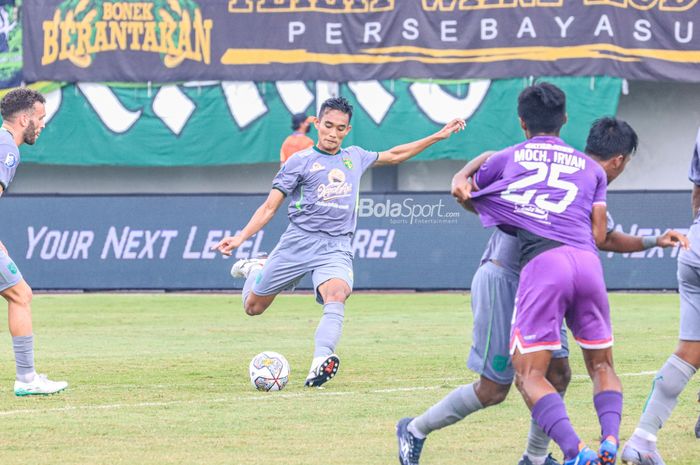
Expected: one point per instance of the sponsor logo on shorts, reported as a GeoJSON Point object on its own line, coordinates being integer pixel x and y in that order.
{"type": "Point", "coordinates": [10, 160]}
{"type": "Point", "coordinates": [12, 267]}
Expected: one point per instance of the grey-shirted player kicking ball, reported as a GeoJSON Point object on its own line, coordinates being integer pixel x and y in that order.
{"type": "Point", "coordinates": [322, 183]}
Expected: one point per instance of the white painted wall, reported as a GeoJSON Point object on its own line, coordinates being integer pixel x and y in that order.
{"type": "Point", "coordinates": [665, 115]}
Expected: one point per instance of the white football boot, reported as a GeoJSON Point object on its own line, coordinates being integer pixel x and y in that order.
{"type": "Point", "coordinates": [243, 267]}
{"type": "Point", "coordinates": [39, 386]}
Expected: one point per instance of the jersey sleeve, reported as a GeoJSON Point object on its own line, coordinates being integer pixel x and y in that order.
{"type": "Point", "coordinates": [492, 170]}
{"type": "Point", "coordinates": [601, 190]}
{"type": "Point", "coordinates": [289, 176]}
{"type": "Point", "coordinates": [694, 172]}
{"type": "Point", "coordinates": [9, 159]}
{"type": "Point", "coordinates": [366, 157]}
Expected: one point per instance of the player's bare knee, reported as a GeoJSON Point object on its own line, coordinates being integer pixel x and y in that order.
{"type": "Point", "coordinates": [20, 295]}
{"type": "Point", "coordinates": [559, 376]}
{"type": "Point", "coordinates": [490, 394]}
{"type": "Point", "coordinates": [255, 308]}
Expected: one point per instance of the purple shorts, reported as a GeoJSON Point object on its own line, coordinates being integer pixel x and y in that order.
{"type": "Point", "coordinates": [564, 282]}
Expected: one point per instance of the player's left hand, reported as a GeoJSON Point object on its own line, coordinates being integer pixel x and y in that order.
{"type": "Point", "coordinates": [672, 238]}
{"type": "Point", "coordinates": [453, 127]}
{"type": "Point", "coordinates": [227, 244]}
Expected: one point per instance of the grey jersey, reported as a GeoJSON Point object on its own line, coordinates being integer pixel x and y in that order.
{"type": "Point", "coordinates": [9, 158]}
{"type": "Point", "coordinates": [323, 189]}
{"type": "Point", "coordinates": [692, 257]}
{"type": "Point", "coordinates": [503, 249]}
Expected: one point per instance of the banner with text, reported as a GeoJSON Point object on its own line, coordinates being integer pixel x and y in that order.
{"type": "Point", "coordinates": [223, 123]}
{"type": "Point", "coordinates": [350, 40]}
{"type": "Point", "coordinates": [164, 242]}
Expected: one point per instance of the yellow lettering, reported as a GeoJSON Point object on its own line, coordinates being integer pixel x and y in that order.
{"type": "Point", "coordinates": [265, 6]}
{"type": "Point", "coordinates": [643, 5]}
{"type": "Point", "coordinates": [148, 11]}
{"type": "Point", "coordinates": [108, 11]}
{"type": "Point", "coordinates": [240, 6]}
{"type": "Point", "coordinates": [117, 35]}
{"type": "Point", "coordinates": [677, 5]}
{"type": "Point", "coordinates": [50, 39]}
{"type": "Point", "coordinates": [101, 43]}
{"type": "Point", "coordinates": [441, 5]}
{"type": "Point", "coordinates": [167, 29]}
{"type": "Point", "coordinates": [150, 41]}
{"type": "Point", "coordinates": [135, 29]}
{"type": "Point", "coordinates": [202, 34]}
{"type": "Point", "coordinates": [615, 3]}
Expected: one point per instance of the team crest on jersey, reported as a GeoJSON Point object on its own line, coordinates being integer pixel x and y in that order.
{"type": "Point", "coordinates": [316, 167]}
{"type": "Point", "coordinates": [10, 160]}
{"type": "Point", "coordinates": [336, 187]}
{"type": "Point", "coordinates": [347, 162]}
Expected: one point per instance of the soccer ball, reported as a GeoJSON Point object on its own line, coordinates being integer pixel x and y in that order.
{"type": "Point", "coordinates": [269, 371]}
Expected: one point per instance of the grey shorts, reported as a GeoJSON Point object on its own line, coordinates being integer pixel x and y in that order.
{"type": "Point", "coordinates": [689, 289]}
{"type": "Point", "coordinates": [299, 252]}
{"type": "Point", "coordinates": [9, 273]}
{"type": "Point", "coordinates": [493, 298]}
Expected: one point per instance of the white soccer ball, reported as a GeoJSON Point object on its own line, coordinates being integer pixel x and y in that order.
{"type": "Point", "coordinates": [269, 371]}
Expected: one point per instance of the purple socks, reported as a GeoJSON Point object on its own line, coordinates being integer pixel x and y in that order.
{"type": "Point", "coordinates": [550, 414]}
{"type": "Point", "coordinates": [608, 405]}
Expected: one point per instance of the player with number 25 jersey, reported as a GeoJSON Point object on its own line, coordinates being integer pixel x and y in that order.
{"type": "Point", "coordinates": [546, 187]}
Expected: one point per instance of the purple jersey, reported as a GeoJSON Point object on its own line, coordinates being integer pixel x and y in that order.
{"type": "Point", "coordinates": [9, 158]}
{"type": "Point", "coordinates": [543, 186]}
{"type": "Point", "coordinates": [323, 189]}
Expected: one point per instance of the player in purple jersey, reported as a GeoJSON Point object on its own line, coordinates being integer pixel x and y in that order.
{"type": "Point", "coordinates": [610, 142]}
{"type": "Point", "coordinates": [23, 114]}
{"type": "Point", "coordinates": [553, 198]}
{"type": "Point", "coordinates": [322, 184]}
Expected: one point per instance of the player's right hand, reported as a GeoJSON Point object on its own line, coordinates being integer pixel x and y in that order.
{"type": "Point", "coordinates": [461, 188]}
{"type": "Point", "coordinates": [673, 238]}
{"type": "Point", "coordinates": [227, 244]}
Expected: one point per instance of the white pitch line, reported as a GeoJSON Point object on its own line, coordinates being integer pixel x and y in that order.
{"type": "Point", "coordinates": [309, 393]}
{"type": "Point", "coordinates": [317, 392]}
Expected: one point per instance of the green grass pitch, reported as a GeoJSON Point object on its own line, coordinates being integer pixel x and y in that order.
{"type": "Point", "coordinates": [162, 379]}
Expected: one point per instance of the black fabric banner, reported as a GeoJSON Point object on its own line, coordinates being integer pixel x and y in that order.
{"type": "Point", "coordinates": [353, 40]}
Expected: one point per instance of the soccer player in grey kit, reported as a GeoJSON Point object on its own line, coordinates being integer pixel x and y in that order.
{"type": "Point", "coordinates": [23, 114]}
{"type": "Point", "coordinates": [322, 183]}
{"type": "Point", "coordinates": [681, 366]}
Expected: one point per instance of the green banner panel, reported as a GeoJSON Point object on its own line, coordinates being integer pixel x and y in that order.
{"type": "Point", "coordinates": [222, 123]}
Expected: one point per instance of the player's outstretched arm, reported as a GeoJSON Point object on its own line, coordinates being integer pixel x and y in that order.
{"type": "Point", "coordinates": [403, 152]}
{"type": "Point", "coordinates": [260, 218]}
{"type": "Point", "coordinates": [617, 241]}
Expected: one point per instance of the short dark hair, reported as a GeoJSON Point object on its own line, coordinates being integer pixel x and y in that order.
{"type": "Point", "coordinates": [336, 103]}
{"type": "Point", "coordinates": [610, 137]}
{"type": "Point", "coordinates": [20, 99]}
{"type": "Point", "coordinates": [542, 107]}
